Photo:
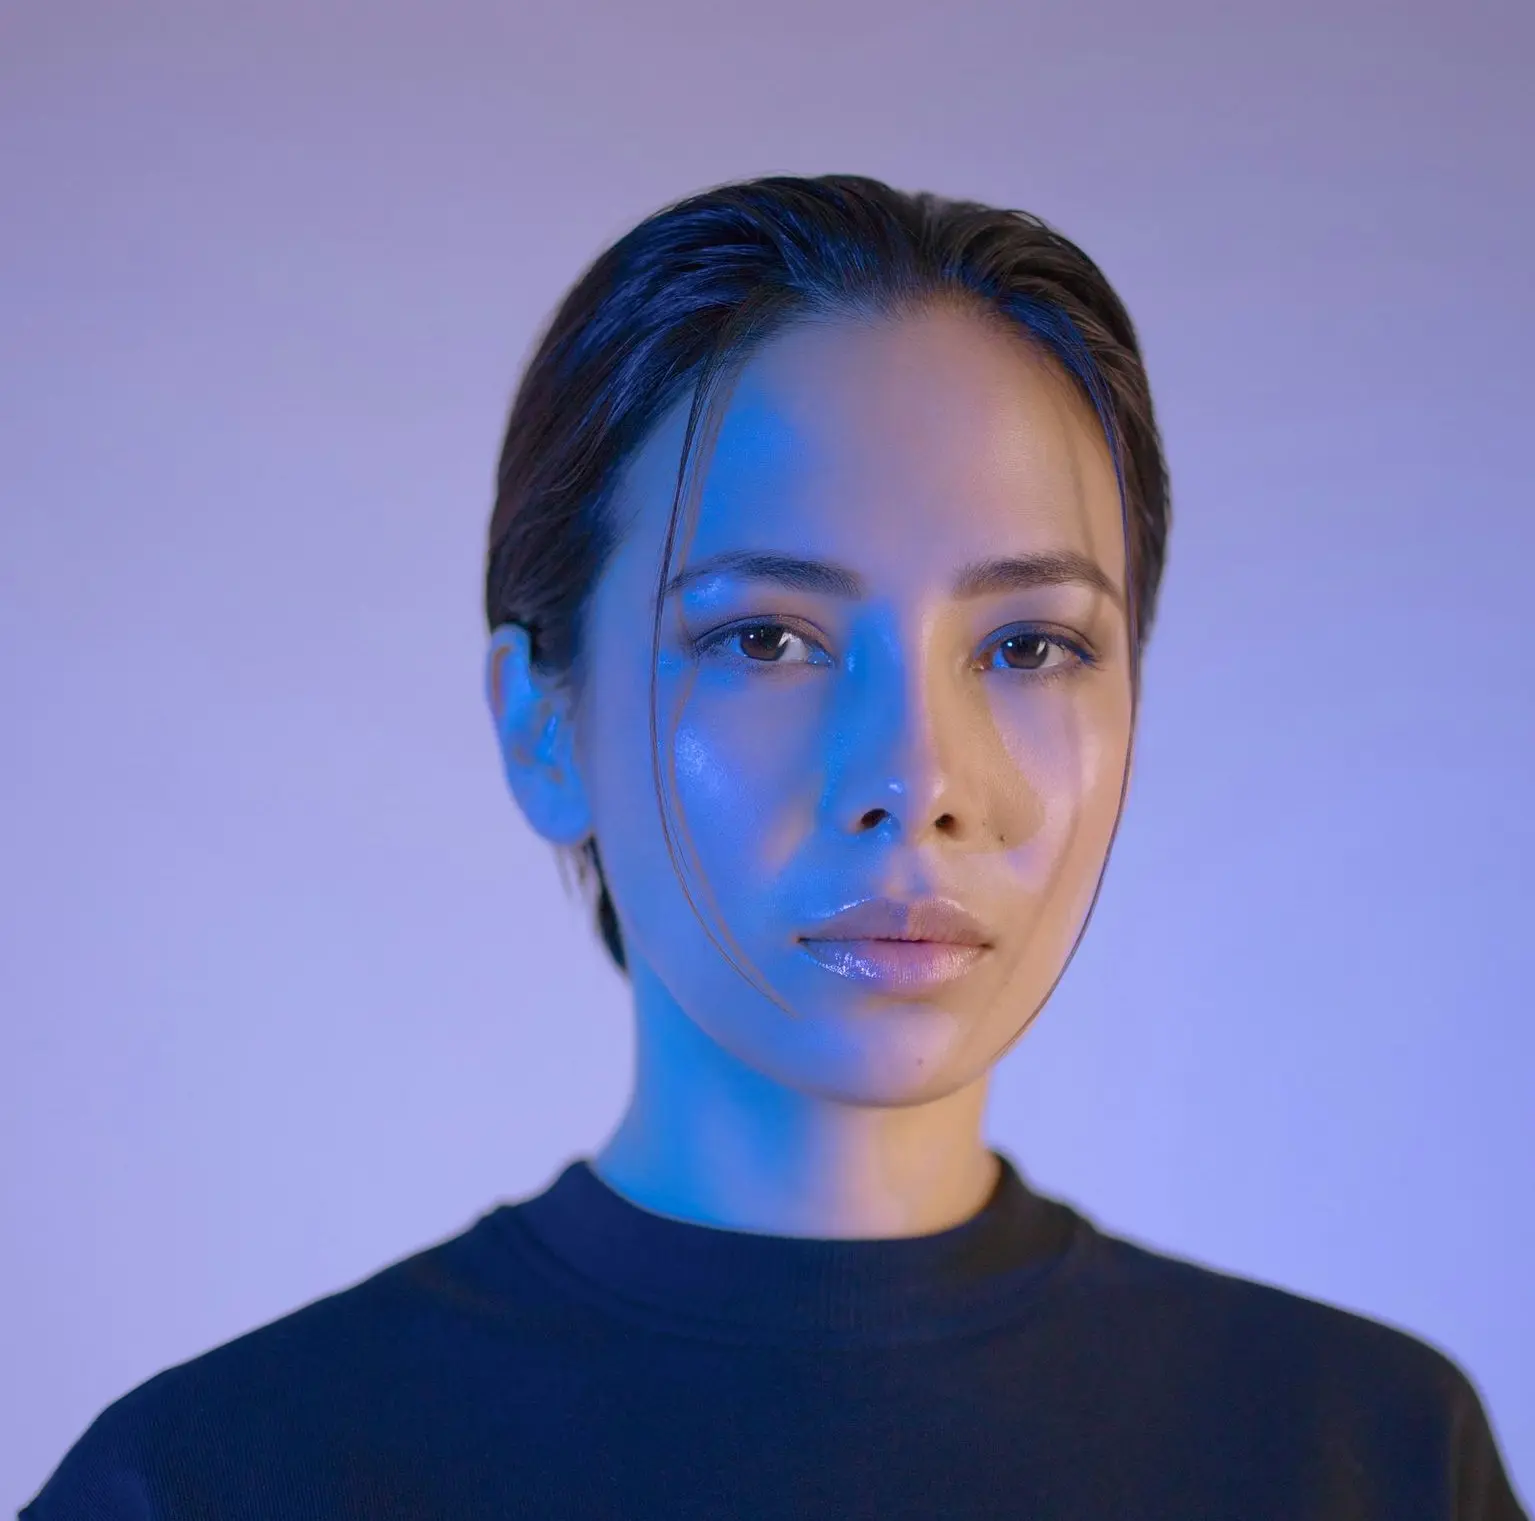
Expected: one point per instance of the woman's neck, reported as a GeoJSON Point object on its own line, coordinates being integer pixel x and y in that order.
{"type": "Point", "coordinates": [708, 1140]}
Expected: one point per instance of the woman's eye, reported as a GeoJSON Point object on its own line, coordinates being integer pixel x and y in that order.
{"type": "Point", "coordinates": [763, 644]}
{"type": "Point", "coordinates": [1029, 652]}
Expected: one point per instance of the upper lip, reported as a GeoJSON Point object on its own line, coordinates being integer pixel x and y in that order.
{"type": "Point", "coordinates": [934, 919]}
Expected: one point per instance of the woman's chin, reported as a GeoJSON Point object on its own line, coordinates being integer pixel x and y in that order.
{"type": "Point", "coordinates": [907, 1053]}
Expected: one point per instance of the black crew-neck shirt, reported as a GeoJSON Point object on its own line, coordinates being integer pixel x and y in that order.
{"type": "Point", "coordinates": [575, 1356]}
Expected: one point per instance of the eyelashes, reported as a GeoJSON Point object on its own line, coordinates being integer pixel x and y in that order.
{"type": "Point", "coordinates": [764, 643]}
{"type": "Point", "coordinates": [1078, 656]}
{"type": "Point", "coordinates": [770, 651]}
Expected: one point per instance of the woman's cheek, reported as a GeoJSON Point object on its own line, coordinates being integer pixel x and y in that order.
{"type": "Point", "coordinates": [706, 777]}
{"type": "Point", "coordinates": [735, 776]}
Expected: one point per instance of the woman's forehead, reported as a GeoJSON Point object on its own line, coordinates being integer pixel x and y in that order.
{"type": "Point", "coordinates": [930, 427]}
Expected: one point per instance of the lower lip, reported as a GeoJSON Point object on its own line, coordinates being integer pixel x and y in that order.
{"type": "Point", "coordinates": [903, 964]}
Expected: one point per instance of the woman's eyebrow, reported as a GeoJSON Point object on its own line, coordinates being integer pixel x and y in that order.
{"type": "Point", "coordinates": [761, 565]}
{"type": "Point", "coordinates": [978, 579]}
{"type": "Point", "coordinates": [1053, 567]}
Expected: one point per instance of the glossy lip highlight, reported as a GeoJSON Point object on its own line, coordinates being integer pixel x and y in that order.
{"type": "Point", "coordinates": [899, 946]}
{"type": "Point", "coordinates": [936, 920]}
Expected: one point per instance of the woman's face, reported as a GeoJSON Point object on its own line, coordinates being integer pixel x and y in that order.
{"type": "Point", "coordinates": [882, 719]}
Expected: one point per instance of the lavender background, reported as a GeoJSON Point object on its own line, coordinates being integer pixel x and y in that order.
{"type": "Point", "coordinates": [288, 988]}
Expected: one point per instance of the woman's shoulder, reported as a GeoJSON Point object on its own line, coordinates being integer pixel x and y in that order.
{"type": "Point", "coordinates": [288, 1382]}
{"type": "Point", "coordinates": [1208, 1318]}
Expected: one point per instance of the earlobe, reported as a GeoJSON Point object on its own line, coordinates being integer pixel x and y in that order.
{"type": "Point", "coordinates": [534, 723]}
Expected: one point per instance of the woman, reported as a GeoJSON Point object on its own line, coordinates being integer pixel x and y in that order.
{"type": "Point", "coordinates": [829, 531]}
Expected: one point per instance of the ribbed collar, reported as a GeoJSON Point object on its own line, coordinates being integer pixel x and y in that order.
{"type": "Point", "coordinates": [698, 1276]}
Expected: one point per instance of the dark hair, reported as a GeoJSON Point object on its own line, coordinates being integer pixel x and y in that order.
{"type": "Point", "coordinates": [702, 281]}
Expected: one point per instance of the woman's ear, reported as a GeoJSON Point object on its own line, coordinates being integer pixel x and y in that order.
{"type": "Point", "coordinates": [535, 728]}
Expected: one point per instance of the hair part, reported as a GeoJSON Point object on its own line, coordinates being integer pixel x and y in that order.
{"type": "Point", "coordinates": [701, 284]}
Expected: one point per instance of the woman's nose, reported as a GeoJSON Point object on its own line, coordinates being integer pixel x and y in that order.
{"type": "Point", "coordinates": [894, 761]}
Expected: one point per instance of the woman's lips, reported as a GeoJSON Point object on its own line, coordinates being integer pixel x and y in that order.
{"type": "Point", "coordinates": [906, 965]}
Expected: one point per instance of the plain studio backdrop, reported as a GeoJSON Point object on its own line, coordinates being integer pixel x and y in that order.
{"type": "Point", "coordinates": [290, 990]}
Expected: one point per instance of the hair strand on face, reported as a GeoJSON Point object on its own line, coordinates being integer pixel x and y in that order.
{"type": "Point", "coordinates": [709, 394]}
